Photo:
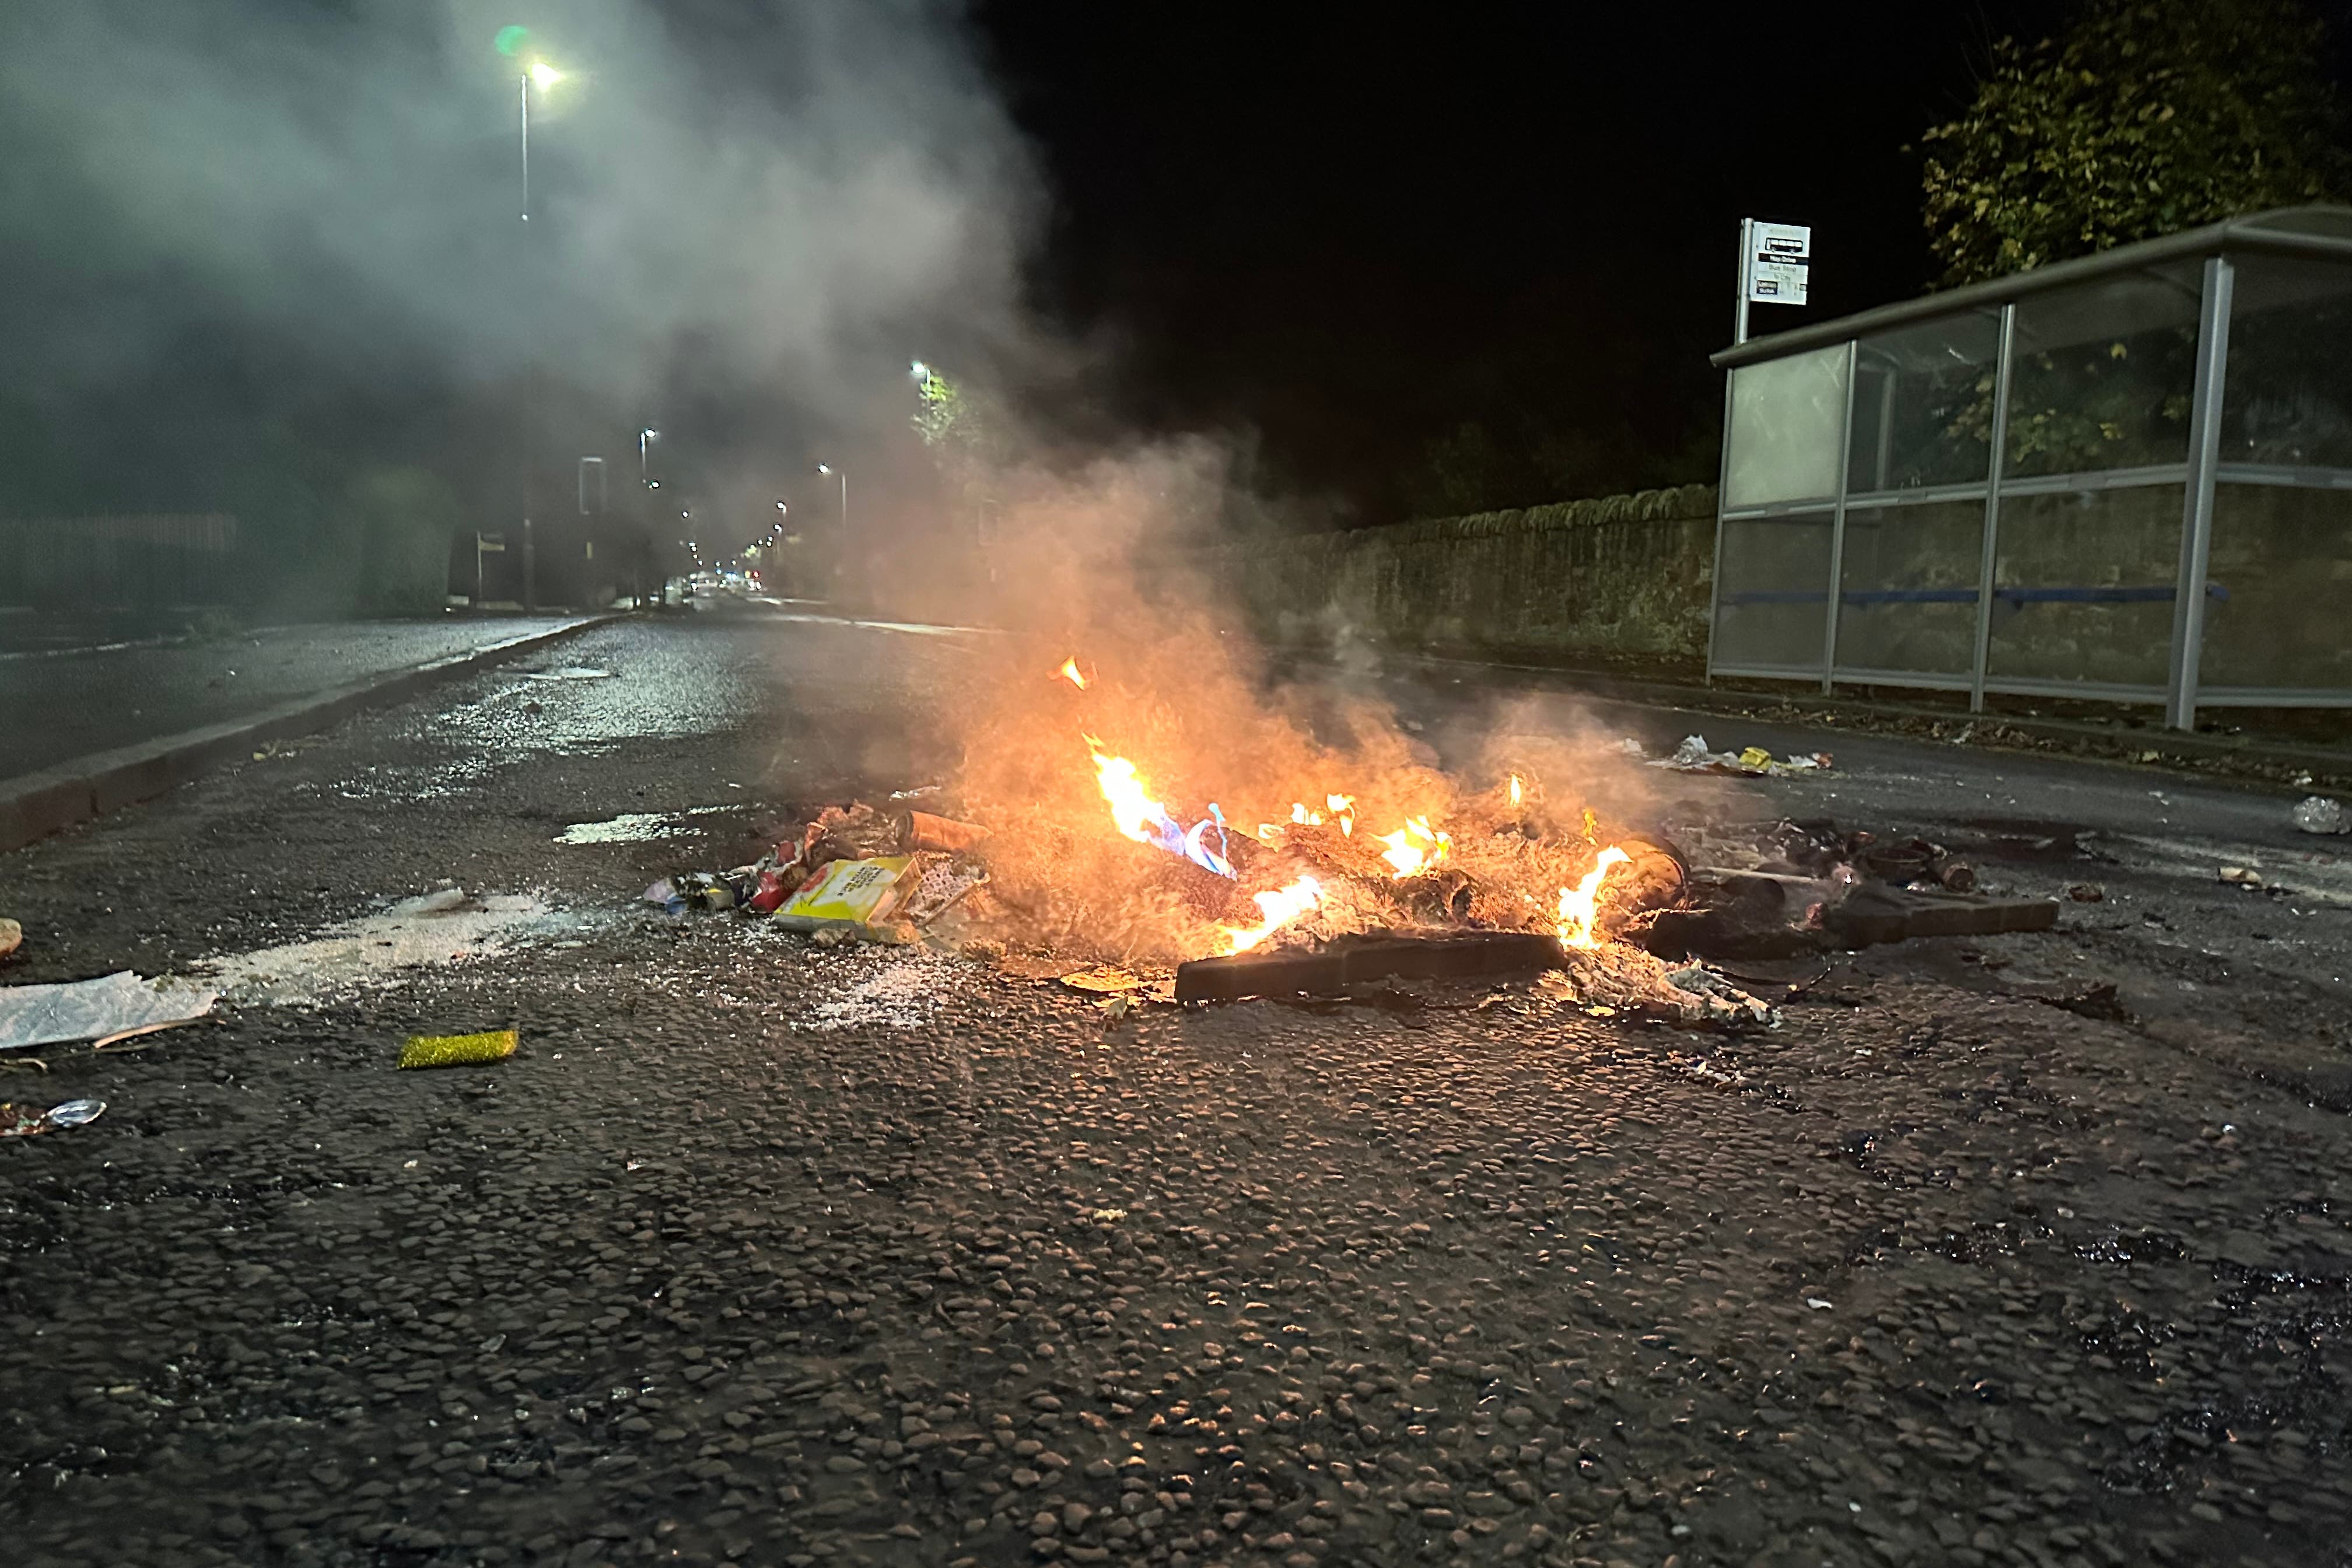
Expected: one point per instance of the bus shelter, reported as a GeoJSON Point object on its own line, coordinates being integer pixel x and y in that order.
{"type": "Point", "coordinates": [2126, 478]}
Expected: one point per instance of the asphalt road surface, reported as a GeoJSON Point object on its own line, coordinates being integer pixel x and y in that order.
{"type": "Point", "coordinates": [59, 703]}
{"type": "Point", "coordinates": [768, 1253]}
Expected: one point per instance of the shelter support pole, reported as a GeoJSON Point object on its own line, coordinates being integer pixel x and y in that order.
{"type": "Point", "coordinates": [1989, 553]}
{"type": "Point", "coordinates": [1837, 533]}
{"type": "Point", "coordinates": [1722, 501]}
{"type": "Point", "coordinates": [2197, 504]}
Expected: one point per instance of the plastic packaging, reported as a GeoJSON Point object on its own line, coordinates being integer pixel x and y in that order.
{"type": "Point", "coordinates": [853, 897]}
{"type": "Point", "coordinates": [2317, 813]}
{"type": "Point", "coordinates": [111, 1007]}
{"type": "Point", "coordinates": [24, 1121]}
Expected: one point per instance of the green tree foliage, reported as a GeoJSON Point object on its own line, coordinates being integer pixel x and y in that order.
{"type": "Point", "coordinates": [960, 426]}
{"type": "Point", "coordinates": [2144, 117]}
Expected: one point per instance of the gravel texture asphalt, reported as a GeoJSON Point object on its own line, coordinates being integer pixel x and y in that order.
{"type": "Point", "coordinates": [57, 704]}
{"type": "Point", "coordinates": [768, 1253]}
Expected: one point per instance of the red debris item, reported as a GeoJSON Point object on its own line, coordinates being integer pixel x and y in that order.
{"type": "Point", "coordinates": [777, 883]}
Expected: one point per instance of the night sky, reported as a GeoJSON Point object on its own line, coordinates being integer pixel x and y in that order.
{"type": "Point", "coordinates": [257, 247]}
{"type": "Point", "coordinates": [1350, 230]}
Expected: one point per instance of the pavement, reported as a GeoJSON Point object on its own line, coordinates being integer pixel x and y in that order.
{"type": "Point", "coordinates": [65, 701]}
{"type": "Point", "coordinates": [763, 1252]}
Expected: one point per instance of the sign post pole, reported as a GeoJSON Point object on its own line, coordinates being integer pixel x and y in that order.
{"type": "Point", "coordinates": [1746, 260]}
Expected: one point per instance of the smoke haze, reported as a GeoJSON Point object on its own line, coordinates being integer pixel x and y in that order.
{"type": "Point", "coordinates": [761, 209]}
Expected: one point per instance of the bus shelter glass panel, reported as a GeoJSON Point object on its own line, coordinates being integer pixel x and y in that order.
{"type": "Point", "coordinates": [2083, 586]}
{"type": "Point", "coordinates": [1787, 415]}
{"type": "Point", "coordinates": [2100, 374]}
{"type": "Point", "coordinates": [1773, 606]}
{"type": "Point", "coordinates": [1923, 404]}
{"type": "Point", "coordinates": [2276, 586]}
{"type": "Point", "coordinates": [1908, 600]}
{"type": "Point", "coordinates": [2287, 396]}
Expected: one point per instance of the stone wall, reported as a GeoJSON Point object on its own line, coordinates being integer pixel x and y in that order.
{"type": "Point", "coordinates": [1620, 581]}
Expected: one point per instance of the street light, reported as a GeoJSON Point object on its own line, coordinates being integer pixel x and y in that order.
{"type": "Point", "coordinates": [511, 42]}
{"type": "Point", "coordinates": [645, 438]}
{"type": "Point", "coordinates": [841, 542]}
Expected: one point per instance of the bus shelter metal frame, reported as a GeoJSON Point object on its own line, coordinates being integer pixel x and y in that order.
{"type": "Point", "coordinates": [2182, 694]}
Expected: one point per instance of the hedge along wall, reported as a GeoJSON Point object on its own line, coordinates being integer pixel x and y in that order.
{"type": "Point", "coordinates": [1621, 581]}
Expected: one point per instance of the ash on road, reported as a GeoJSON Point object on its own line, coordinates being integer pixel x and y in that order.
{"type": "Point", "coordinates": [778, 1255]}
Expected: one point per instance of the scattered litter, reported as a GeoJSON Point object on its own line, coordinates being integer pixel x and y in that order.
{"type": "Point", "coordinates": [2241, 876]}
{"type": "Point", "coordinates": [458, 1050]}
{"type": "Point", "coordinates": [1118, 1004]}
{"type": "Point", "coordinates": [924, 831]}
{"type": "Point", "coordinates": [852, 897]}
{"type": "Point", "coordinates": [938, 884]}
{"type": "Point", "coordinates": [445, 927]}
{"type": "Point", "coordinates": [110, 1009]}
{"type": "Point", "coordinates": [896, 988]}
{"type": "Point", "coordinates": [1110, 1216]}
{"type": "Point", "coordinates": [2317, 813]}
{"type": "Point", "coordinates": [1817, 1304]}
{"type": "Point", "coordinates": [2086, 893]}
{"type": "Point", "coordinates": [12, 937]}
{"type": "Point", "coordinates": [24, 1121]}
{"type": "Point", "coordinates": [1692, 757]}
{"type": "Point", "coordinates": [1104, 978]}
{"type": "Point", "coordinates": [1605, 980]}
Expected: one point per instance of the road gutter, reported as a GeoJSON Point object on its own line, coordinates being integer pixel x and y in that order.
{"type": "Point", "coordinates": [33, 805]}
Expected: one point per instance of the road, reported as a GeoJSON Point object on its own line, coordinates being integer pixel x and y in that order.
{"type": "Point", "coordinates": [763, 1252]}
{"type": "Point", "coordinates": [63, 702]}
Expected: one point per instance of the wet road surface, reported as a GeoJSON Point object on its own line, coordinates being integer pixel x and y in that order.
{"type": "Point", "coordinates": [57, 704]}
{"type": "Point", "coordinates": [766, 1253]}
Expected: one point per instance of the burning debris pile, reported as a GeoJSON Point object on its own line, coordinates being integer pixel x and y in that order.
{"type": "Point", "coordinates": [1326, 869]}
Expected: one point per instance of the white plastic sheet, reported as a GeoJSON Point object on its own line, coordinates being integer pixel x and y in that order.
{"type": "Point", "coordinates": [109, 1008]}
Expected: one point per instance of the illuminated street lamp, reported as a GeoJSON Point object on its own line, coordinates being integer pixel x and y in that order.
{"type": "Point", "coordinates": [645, 438]}
{"type": "Point", "coordinates": [540, 74]}
{"type": "Point", "coordinates": [841, 548]}
{"type": "Point", "coordinates": [531, 72]}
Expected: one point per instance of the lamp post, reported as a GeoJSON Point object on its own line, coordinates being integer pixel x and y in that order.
{"type": "Point", "coordinates": [544, 76]}
{"type": "Point", "coordinates": [646, 438]}
{"type": "Point", "coordinates": [540, 74]}
{"type": "Point", "coordinates": [841, 546]}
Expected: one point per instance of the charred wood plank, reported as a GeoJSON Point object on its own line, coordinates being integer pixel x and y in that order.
{"type": "Point", "coordinates": [1332, 970]}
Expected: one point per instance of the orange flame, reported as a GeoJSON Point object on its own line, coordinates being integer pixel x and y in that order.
{"type": "Point", "coordinates": [1577, 903]}
{"type": "Point", "coordinates": [1280, 907]}
{"type": "Point", "coordinates": [1516, 791]}
{"type": "Point", "coordinates": [1304, 817]}
{"type": "Point", "coordinates": [1069, 672]}
{"type": "Point", "coordinates": [1415, 847]}
{"type": "Point", "coordinates": [1131, 804]}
